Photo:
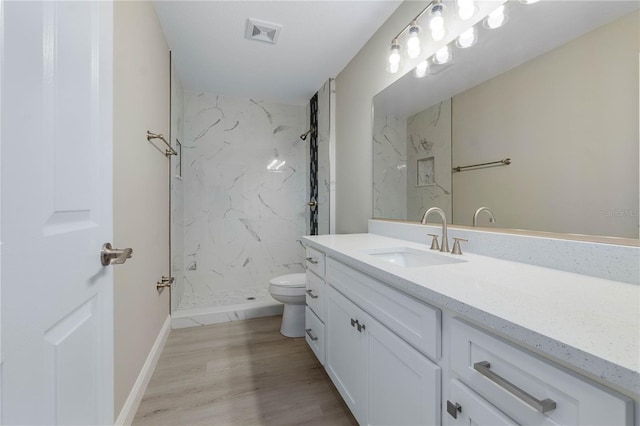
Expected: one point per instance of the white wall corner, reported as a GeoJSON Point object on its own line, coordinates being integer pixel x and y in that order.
{"type": "Point", "coordinates": [130, 407]}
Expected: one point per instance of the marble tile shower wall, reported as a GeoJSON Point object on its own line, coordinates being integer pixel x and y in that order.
{"type": "Point", "coordinates": [429, 139]}
{"type": "Point", "coordinates": [389, 166]}
{"type": "Point", "coordinates": [242, 220]}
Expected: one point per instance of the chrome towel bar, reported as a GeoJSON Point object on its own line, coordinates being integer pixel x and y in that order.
{"type": "Point", "coordinates": [504, 162]}
{"type": "Point", "coordinates": [168, 152]}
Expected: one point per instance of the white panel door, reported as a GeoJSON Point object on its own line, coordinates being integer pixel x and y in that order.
{"type": "Point", "coordinates": [404, 386]}
{"type": "Point", "coordinates": [346, 352]}
{"type": "Point", "coordinates": [56, 212]}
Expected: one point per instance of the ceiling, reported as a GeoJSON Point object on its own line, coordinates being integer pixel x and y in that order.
{"type": "Point", "coordinates": [318, 39]}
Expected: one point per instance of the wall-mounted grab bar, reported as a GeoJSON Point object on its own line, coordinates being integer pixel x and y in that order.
{"type": "Point", "coordinates": [504, 162]}
{"type": "Point", "coordinates": [169, 151]}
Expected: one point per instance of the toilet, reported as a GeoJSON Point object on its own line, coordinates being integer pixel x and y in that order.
{"type": "Point", "coordinates": [289, 289]}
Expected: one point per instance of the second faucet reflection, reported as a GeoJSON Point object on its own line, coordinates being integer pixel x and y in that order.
{"type": "Point", "coordinates": [492, 218]}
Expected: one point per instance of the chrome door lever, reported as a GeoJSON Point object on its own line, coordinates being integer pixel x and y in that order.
{"type": "Point", "coordinates": [111, 256]}
{"type": "Point", "coordinates": [165, 282]}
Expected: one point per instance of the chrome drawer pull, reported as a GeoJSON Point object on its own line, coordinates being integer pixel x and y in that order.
{"type": "Point", "coordinates": [311, 336]}
{"type": "Point", "coordinates": [310, 293]}
{"type": "Point", "coordinates": [483, 367]}
{"type": "Point", "coordinates": [312, 260]}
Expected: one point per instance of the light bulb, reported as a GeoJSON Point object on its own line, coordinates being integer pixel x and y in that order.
{"type": "Point", "coordinates": [437, 35]}
{"type": "Point", "coordinates": [437, 23]}
{"type": "Point", "coordinates": [496, 18]}
{"type": "Point", "coordinates": [443, 55]}
{"type": "Point", "coordinates": [394, 57]}
{"type": "Point", "coordinates": [413, 43]}
{"type": "Point", "coordinates": [467, 38]}
{"type": "Point", "coordinates": [466, 9]}
{"type": "Point", "coordinates": [421, 69]}
{"type": "Point", "coordinates": [529, 1]}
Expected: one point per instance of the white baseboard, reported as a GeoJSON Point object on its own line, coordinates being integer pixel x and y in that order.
{"type": "Point", "coordinates": [128, 412]}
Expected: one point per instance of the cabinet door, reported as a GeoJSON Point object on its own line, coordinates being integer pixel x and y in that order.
{"type": "Point", "coordinates": [472, 409]}
{"type": "Point", "coordinates": [346, 354]}
{"type": "Point", "coordinates": [404, 386]}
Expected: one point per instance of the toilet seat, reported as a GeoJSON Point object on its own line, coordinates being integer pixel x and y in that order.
{"type": "Point", "coordinates": [290, 280]}
{"type": "Point", "coordinates": [288, 285]}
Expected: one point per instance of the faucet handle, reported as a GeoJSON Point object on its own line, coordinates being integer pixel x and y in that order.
{"type": "Point", "coordinates": [434, 242]}
{"type": "Point", "coordinates": [456, 245]}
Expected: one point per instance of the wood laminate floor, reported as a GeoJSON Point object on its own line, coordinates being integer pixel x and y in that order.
{"type": "Point", "coordinates": [240, 373]}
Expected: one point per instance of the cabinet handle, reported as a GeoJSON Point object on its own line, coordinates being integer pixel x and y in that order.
{"type": "Point", "coordinates": [360, 326]}
{"type": "Point", "coordinates": [312, 260]}
{"type": "Point", "coordinates": [353, 322]}
{"type": "Point", "coordinates": [311, 336]}
{"type": "Point", "coordinates": [483, 367]}
{"type": "Point", "coordinates": [310, 293]}
{"type": "Point", "coordinates": [453, 409]}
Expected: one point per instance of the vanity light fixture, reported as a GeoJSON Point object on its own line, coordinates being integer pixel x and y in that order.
{"type": "Point", "coordinates": [436, 24]}
{"type": "Point", "coordinates": [467, 38]}
{"type": "Point", "coordinates": [394, 57]}
{"type": "Point", "coordinates": [466, 9]}
{"type": "Point", "coordinates": [496, 19]}
{"type": "Point", "coordinates": [413, 43]}
{"type": "Point", "coordinates": [421, 69]}
{"type": "Point", "coordinates": [529, 1]}
{"type": "Point", "coordinates": [443, 55]}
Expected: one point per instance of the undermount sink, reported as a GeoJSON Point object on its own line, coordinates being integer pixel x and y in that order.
{"type": "Point", "coordinates": [410, 257]}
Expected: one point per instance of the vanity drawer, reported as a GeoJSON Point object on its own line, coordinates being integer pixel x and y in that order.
{"type": "Point", "coordinates": [497, 370]}
{"type": "Point", "coordinates": [315, 295]}
{"type": "Point", "coordinates": [314, 333]}
{"type": "Point", "coordinates": [416, 322]}
{"type": "Point", "coordinates": [315, 261]}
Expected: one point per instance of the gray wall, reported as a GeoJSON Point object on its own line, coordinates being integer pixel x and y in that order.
{"type": "Point", "coordinates": [141, 194]}
{"type": "Point", "coordinates": [569, 121]}
{"type": "Point", "coordinates": [356, 85]}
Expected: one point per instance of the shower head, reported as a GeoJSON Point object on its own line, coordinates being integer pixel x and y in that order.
{"type": "Point", "coordinates": [305, 134]}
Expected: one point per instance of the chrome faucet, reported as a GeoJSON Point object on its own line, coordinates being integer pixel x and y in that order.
{"type": "Point", "coordinates": [492, 218]}
{"type": "Point", "coordinates": [445, 242]}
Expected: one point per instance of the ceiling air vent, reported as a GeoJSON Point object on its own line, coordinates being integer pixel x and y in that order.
{"type": "Point", "coordinates": [262, 31]}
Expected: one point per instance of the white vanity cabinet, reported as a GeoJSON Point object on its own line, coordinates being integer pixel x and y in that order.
{"type": "Point", "coordinates": [315, 312]}
{"type": "Point", "coordinates": [525, 387]}
{"type": "Point", "coordinates": [383, 350]}
{"type": "Point", "coordinates": [383, 380]}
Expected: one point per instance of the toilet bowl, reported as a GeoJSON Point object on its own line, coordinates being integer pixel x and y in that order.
{"type": "Point", "coordinates": [289, 289]}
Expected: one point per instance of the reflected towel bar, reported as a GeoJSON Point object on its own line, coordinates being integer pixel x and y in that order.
{"type": "Point", "coordinates": [169, 151]}
{"type": "Point", "coordinates": [504, 162]}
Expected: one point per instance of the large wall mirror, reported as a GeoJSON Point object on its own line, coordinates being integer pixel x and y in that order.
{"type": "Point", "coordinates": [550, 99]}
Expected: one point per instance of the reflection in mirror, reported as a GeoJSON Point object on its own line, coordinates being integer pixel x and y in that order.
{"type": "Point", "coordinates": [555, 90]}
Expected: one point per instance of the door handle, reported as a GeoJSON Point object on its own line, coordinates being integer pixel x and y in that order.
{"type": "Point", "coordinates": [111, 256]}
{"type": "Point", "coordinates": [164, 282]}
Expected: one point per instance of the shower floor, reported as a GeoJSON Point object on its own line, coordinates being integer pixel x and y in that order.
{"type": "Point", "coordinates": [226, 298]}
{"type": "Point", "coordinates": [224, 306]}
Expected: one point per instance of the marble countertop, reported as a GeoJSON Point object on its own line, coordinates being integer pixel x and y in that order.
{"type": "Point", "coordinates": [589, 324]}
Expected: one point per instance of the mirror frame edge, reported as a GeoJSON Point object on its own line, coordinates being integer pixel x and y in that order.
{"type": "Point", "coordinates": [617, 241]}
